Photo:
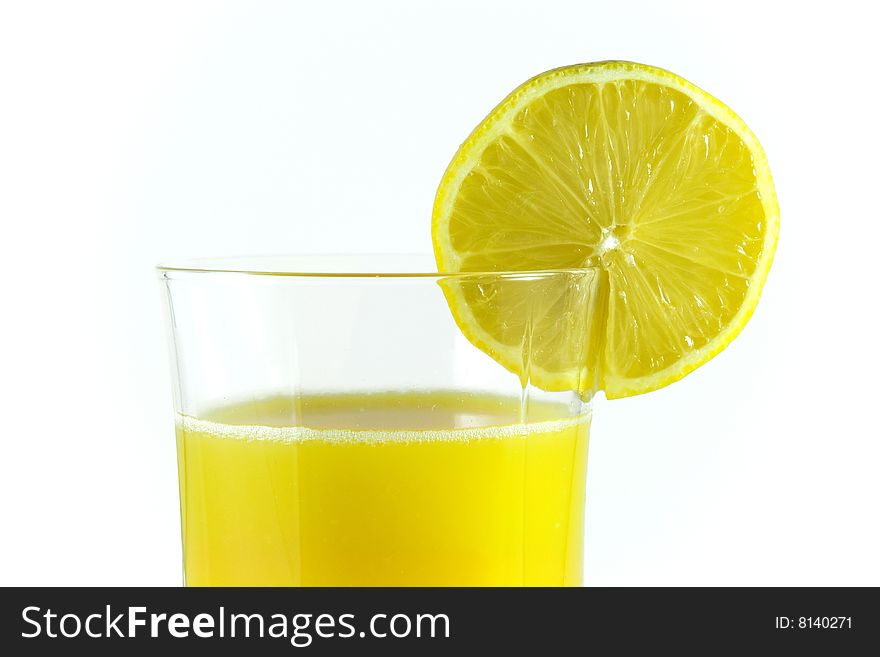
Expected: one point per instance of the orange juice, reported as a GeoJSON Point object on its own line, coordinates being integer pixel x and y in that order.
{"type": "Point", "coordinates": [390, 489]}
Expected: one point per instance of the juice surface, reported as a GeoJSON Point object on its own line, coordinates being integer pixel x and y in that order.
{"type": "Point", "coordinates": [391, 489]}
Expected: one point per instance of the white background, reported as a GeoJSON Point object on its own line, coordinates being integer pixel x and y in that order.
{"type": "Point", "coordinates": [134, 132]}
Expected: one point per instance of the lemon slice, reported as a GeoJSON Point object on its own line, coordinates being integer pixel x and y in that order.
{"type": "Point", "coordinates": [633, 172]}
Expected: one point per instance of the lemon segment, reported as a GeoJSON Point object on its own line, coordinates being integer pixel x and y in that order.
{"type": "Point", "coordinates": [636, 173]}
{"type": "Point", "coordinates": [548, 333]}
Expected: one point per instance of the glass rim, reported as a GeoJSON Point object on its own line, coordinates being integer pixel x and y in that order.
{"type": "Point", "coordinates": [339, 265]}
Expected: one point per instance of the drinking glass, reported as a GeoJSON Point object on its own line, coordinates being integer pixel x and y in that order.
{"type": "Point", "coordinates": [346, 421]}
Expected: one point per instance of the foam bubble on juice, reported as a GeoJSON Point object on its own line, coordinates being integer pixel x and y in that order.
{"type": "Point", "coordinates": [252, 432]}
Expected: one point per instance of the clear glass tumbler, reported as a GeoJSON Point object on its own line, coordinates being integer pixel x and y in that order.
{"type": "Point", "coordinates": [346, 421]}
